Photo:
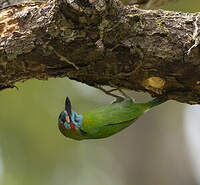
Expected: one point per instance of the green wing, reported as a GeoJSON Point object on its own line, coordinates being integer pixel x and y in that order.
{"type": "Point", "coordinates": [114, 116]}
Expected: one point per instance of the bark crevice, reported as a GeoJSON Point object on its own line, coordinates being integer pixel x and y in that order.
{"type": "Point", "coordinates": [102, 42]}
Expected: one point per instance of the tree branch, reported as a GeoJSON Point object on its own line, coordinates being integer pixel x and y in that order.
{"type": "Point", "coordinates": [148, 4]}
{"type": "Point", "coordinates": [102, 43]}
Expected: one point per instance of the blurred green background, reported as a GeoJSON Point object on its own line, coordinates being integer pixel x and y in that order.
{"type": "Point", "coordinates": [153, 151]}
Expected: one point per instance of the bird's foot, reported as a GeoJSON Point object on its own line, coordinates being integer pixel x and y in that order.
{"type": "Point", "coordinates": [117, 98]}
{"type": "Point", "coordinates": [121, 91]}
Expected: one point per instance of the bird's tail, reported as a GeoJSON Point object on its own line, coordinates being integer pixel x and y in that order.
{"type": "Point", "coordinates": [157, 101]}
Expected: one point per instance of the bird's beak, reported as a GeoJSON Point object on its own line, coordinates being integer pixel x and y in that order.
{"type": "Point", "coordinates": [68, 108]}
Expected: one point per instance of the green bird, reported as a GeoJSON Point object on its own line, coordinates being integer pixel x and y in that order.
{"type": "Point", "coordinates": [103, 121]}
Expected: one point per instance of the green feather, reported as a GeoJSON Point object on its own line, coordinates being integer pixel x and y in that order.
{"type": "Point", "coordinates": [110, 119]}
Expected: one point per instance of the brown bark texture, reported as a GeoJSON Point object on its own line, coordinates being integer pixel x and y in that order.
{"type": "Point", "coordinates": [102, 42]}
{"type": "Point", "coordinates": [147, 4]}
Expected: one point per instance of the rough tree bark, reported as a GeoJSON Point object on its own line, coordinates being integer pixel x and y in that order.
{"type": "Point", "coordinates": [102, 42]}
{"type": "Point", "coordinates": [147, 4]}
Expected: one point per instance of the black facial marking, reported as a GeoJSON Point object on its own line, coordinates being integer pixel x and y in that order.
{"type": "Point", "coordinates": [59, 116]}
{"type": "Point", "coordinates": [62, 117]}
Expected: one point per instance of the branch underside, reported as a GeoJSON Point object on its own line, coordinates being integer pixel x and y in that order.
{"type": "Point", "coordinates": [102, 42]}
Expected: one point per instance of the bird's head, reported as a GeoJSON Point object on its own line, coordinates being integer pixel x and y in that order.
{"type": "Point", "coordinates": [70, 123]}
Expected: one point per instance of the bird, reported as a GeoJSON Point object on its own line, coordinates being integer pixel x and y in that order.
{"type": "Point", "coordinates": [103, 121]}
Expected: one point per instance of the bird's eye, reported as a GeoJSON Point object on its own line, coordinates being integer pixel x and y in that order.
{"type": "Point", "coordinates": [63, 119]}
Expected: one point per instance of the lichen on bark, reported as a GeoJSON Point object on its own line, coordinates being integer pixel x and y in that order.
{"type": "Point", "coordinates": [102, 42]}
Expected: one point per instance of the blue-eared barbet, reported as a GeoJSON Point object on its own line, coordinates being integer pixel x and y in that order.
{"type": "Point", "coordinates": [104, 121]}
